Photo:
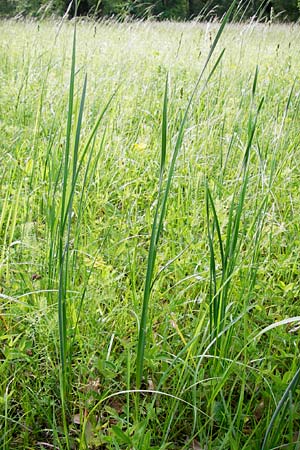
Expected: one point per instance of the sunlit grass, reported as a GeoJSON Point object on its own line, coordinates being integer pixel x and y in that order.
{"type": "Point", "coordinates": [227, 263]}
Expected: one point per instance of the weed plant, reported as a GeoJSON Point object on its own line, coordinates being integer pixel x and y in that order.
{"type": "Point", "coordinates": [84, 171]}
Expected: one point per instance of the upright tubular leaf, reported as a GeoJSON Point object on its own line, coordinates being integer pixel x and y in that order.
{"type": "Point", "coordinates": [164, 132]}
{"type": "Point", "coordinates": [229, 249]}
{"type": "Point", "coordinates": [160, 211]}
{"type": "Point", "coordinates": [289, 390]}
{"type": "Point", "coordinates": [63, 246]}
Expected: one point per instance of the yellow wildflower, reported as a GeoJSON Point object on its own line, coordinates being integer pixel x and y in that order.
{"type": "Point", "coordinates": [140, 146]}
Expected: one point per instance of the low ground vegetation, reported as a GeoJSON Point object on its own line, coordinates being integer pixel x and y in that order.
{"type": "Point", "coordinates": [80, 174]}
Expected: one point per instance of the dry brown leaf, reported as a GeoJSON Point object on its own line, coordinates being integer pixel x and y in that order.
{"type": "Point", "coordinates": [76, 419]}
{"type": "Point", "coordinates": [196, 445]}
{"type": "Point", "coordinates": [258, 412]}
{"type": "Point", "coordinates": [117, 405]}
{"type": "Point", "coordinates": [151, 386]}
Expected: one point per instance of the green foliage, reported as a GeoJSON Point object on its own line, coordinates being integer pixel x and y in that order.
{"type": "Point", "coordinates": [286, 9]}
{"type": "Point", "coordinates": [172, 9]}
{"type": "Point", "coordinates": [35, 8]}
{"type": "Point", "coordinates": [29, 7]}
{"type": "Point", "coordinates": [111, 7]}
{"type": "Point", "coordinates": [220, 366]}
{"type": "Point", "coordinates": [200, 8]}
{"type": "Point", "coordinates": [167, 9]}
{"type": "Point", "coordinates": [7, 8]}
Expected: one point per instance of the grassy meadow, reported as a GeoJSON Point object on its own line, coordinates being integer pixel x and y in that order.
{"type": "Point", "coordinates": [149, 236]}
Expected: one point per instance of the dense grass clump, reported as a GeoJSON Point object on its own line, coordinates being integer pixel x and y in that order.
{"type": "Point", "coordinates": [95, 163]}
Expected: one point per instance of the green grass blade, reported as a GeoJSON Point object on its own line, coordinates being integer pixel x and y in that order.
{"type": "Point", "coordinates": [164, 131]}
{"type": "Point", "coordinates": [152, 247]}
{"type": "Point", "coordinates": [289, 390]}
{"type": "Point", "coordinates": [161, 207]}
{"type": "Point", "coordinates": [75, 160]}
{"type": "Point", "coordinates": [64, 236]}
{"type": "Point", "coordinates": [216, 222]}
